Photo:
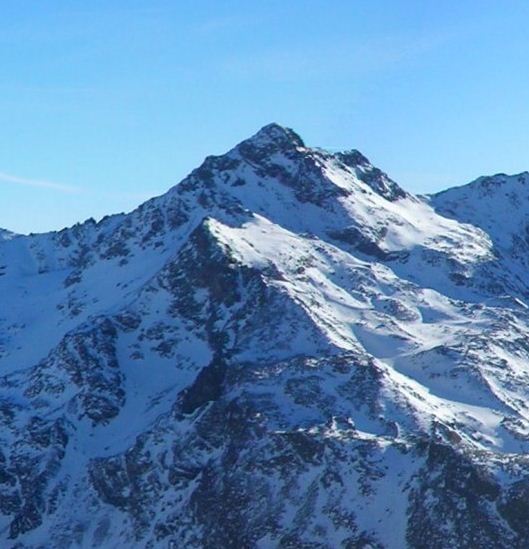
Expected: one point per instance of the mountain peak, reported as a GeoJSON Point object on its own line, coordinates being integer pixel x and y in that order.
{"type": "Point", "coordinates": [488, 185]}
{"type": "Point", "coordinates": [353, 158]}
{"type": "Point", "coordinates": [275, 136]}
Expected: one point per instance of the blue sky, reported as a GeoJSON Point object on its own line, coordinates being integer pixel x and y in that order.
{"type": "Point", "coordinates": [106, 103]}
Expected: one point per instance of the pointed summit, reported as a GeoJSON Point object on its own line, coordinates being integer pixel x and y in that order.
{"type": "Point", "coordinates": [273, 137]}
{"type": "Point", "coordinates": [280, 134]}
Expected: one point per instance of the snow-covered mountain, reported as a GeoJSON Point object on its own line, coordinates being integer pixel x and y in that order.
{"type": "Point", "coordinates": [285, 350]}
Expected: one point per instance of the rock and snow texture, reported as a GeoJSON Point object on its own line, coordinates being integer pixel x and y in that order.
{"type": "Point", "coordinates": [285, 350]}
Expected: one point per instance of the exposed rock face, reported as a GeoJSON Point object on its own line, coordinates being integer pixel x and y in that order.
{"type": "Point", "coordinates": [285, 350]}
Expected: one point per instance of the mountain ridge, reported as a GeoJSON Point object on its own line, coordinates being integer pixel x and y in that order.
{"type": "Point", "coordinates": [277, 135]}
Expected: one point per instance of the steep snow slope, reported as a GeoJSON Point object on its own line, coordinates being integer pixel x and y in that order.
{"type": "Point", "coordinates": [285, 350]}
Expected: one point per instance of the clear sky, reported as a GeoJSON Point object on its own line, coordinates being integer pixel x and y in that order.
{"type": "Point", "coordinates": [108, 102]}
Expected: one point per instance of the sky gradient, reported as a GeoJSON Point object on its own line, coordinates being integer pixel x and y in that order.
{"type": "Point", "coordinates": [106, 103]}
